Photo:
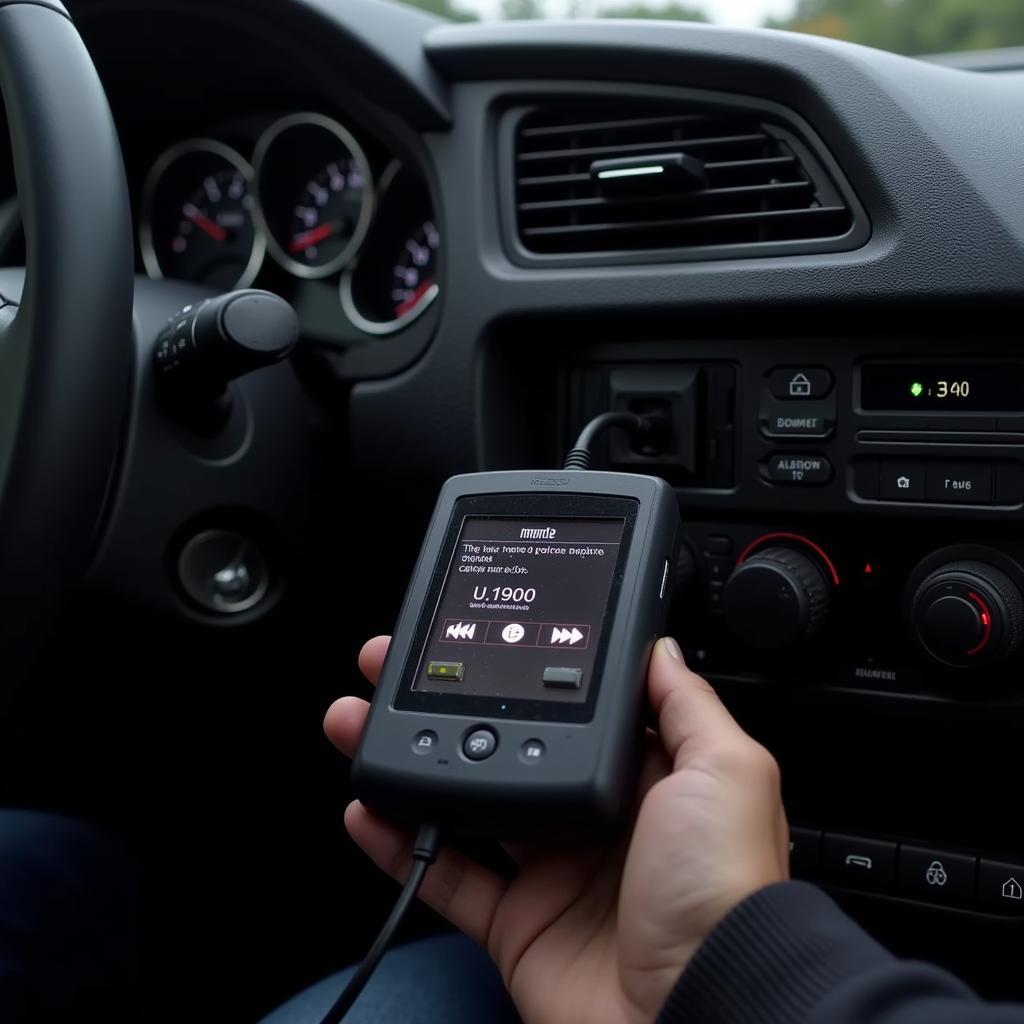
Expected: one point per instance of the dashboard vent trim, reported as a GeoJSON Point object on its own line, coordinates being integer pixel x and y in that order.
{"type": "Point", "coordinates": [763, 190]}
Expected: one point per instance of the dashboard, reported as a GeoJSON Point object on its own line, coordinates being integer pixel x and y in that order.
{"type": "Point", "coordinates": [808, 255]}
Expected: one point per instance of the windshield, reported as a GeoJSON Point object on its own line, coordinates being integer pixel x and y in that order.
{"type": "Point", "coordinates": [904, 26]}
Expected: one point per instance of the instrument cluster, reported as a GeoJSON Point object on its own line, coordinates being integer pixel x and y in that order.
{"type": "Point", "coordinates": [308, 201]}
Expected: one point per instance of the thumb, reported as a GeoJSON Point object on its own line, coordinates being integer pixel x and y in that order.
{"type": "Point", "coordinates": [691, 718]}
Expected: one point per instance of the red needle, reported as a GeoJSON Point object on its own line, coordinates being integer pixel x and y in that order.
{"type": "Point", "coordinates": [212, 228]}
{"type": "Point", "coordinates": [302, 242]}
{"type": "Point", "coordinates": [403, 307]}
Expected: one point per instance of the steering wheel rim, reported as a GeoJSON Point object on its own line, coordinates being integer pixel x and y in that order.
{"type": "Point", "coordinates": [65, 353]}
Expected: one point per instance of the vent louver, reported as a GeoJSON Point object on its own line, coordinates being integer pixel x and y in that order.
{"type": "Point", "coordinates": [759, 185]}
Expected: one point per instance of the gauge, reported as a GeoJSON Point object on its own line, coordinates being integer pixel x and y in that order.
{"type": "Point", "coordinates": [316, 193]}
{"type": "Point", "coordinates": [196, 219]}
{"type": "Point", "coordinates": [415, 272]}
{"type": "Point", "coordinates": [396, 278]}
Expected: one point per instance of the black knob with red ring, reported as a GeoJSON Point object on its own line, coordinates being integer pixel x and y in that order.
{"type": "Point", "coordinates": [780, 591]}
{"type": "Point", "coordinates": [968, 613]}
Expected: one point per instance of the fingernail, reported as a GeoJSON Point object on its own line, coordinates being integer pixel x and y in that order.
{"type": "Point", "coordinates": [672, 649]}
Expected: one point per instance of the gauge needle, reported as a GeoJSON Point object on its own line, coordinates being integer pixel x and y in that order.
{"type": "Point", "coordinates": [302, 242]}
{"type": "Point", "coordinates": [212, 228]}
{"type": "Point", "coordinates": [403, 307]}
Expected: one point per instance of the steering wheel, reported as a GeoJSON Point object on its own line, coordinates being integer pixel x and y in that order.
{"type": "Point", "coordinates": [66, 342]}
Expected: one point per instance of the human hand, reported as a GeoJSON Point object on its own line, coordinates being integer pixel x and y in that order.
{"type": "Point", "coordinates": [601, 935]}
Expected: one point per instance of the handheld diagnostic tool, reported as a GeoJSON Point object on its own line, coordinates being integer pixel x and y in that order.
{"type": "Point", "coordinates": [511, 703]}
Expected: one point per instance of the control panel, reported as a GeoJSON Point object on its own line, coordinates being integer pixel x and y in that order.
{"type": "Point", "coordinates": [852, 516]}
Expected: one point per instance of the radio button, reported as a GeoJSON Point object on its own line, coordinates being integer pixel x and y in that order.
{"type": "Point", "coordinates": [424, 742]}
{"type": "Point", "coordinates": [797, 419]}
{"type": "Point", "coordinates": [800, 382]}
{"type": "Point", "coordinates": [960, 483]}
{"type": "Point", "coordinates": [479, 744]}
{"type": "Point", "coordinates": [799, 469]}
{"type": "Point", "coordinates": [451, 671]}
{"type": "Point", "coordinates": [902, 481]}
{"type": "Point", "coordinates": [531, 752]}
{"type": "Point", "coordinates": [563, 678]}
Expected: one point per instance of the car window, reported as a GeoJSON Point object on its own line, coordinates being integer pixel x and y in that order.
{"type": "Point", "coordinates": [903, 26]}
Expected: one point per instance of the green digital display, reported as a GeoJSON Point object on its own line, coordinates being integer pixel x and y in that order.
{"type": "Point", "coordinates": [952, 387]}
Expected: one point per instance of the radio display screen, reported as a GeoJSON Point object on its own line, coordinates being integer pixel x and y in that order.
{"type": "Point", "coordinates": [950, 387]}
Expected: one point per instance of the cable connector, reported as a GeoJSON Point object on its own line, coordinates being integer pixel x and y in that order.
{"type": "Point", "coordinates": [639, 426]}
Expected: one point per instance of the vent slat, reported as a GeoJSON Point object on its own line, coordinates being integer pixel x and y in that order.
{"type": "Point", "coordinates": [667, 225]}
{"type": "Point", "coordinates": [603, 126]}
{"type": "Point", "coordinates": [640, 148]}
{"type": "Point", "coordinates": [754, 191]}
{"type": "Point", "coordinates": [757, 188]}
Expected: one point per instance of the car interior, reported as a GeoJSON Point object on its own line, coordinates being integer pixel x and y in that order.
{"type": "Point", "coordinates": [805, 256]}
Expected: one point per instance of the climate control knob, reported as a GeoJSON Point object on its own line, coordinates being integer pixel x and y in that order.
{"type": "Point", "coordinates": [777, 597]}
{"type": "Point", "coordinates": [968, 613]}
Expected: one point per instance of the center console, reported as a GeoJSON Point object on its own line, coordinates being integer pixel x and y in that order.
{"type": "Point", "coordinates": [852, 518]}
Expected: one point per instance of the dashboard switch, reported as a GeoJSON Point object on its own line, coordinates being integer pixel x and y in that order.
{"type": "Point", "coordinates": [967, 483]}
{"type": "Point", "coordinates": [795, 418]}
{"type": "Point", "coordinates": [901, 481]}
{"type": "Point", "coordinates": [860, 863]}
{"type": "Point", "coordinates": [801, 469]}
{"type": "Point", "coordinates": [800, 382]}
{"type": "Point", "coordinates": [936, 876]}
{"type": "Point", "coordinates": [1001, 886]}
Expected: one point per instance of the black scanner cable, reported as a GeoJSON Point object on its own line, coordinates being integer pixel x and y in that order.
{"type": "Point", "coordinates": [644, 429]}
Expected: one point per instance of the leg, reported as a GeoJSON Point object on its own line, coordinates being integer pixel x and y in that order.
{"type": "Point", "coordinates": [443, 980]}
{"type": "Point", "coordinates": [69, 923]}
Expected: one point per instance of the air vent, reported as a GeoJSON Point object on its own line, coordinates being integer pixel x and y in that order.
{"type": "Point", "coordinates": [588, 180]}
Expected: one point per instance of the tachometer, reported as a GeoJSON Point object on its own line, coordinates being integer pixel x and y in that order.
{"type": "Point", "coordinates": [415, 273]}
{"type": "Point", "coordinates": [397, 276]}
{"type": "Point", "coordinates": [196, 218]}
{"type": "Point", "coordinates": [316, 193]}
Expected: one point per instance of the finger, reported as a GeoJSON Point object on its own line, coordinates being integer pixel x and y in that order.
{"type": "Point", "coordinates": [691, 718]}
{"type": "Point", "coordinates": [344, 723]}
{"type": "Point", "coordinates": [456, 887]}
{"type": "Point", "coordinates": [371, 657]}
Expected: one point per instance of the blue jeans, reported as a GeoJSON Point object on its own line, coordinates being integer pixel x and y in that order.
{"type": "Point", "coordinates": [444, 980]}
{"type": "Point", "coordinates": [69, 924]}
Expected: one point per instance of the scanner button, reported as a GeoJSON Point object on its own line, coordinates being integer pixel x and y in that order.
{"type": "Point", "coordinates": [531, 752]}
{"type": "Point", "coordinates": [563, 678]}
{"type": "Point", "coordinates": [479, 744]}
{"type": "Point", "coordinates": [453, 671]}
{"type": "Point", "coordinates": [424, 742]}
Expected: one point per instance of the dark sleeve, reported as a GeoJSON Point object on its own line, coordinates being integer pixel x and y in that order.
{"type": "Point", "coordinates": [789, 955]}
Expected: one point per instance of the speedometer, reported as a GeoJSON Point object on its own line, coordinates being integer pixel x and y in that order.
{"type": "Point", "coordinates": [316, 193]}
{"type": "Point", "coordinates": [196, 220]}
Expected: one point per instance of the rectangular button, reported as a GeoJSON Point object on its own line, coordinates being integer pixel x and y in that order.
{"type": "Point", "coordinates": [861, 863]}
{"type": "Point", "coordinates": [960, 483]}
{"type": "Point", "coordinates": [804, 851]}
{"type": "Point", "coordinates": [1001, 886]}
{"type": "Point", "coordinates": [717, 545]}
{"type": "Point", "coordinates": [936, 876]}
{"type": "Point", "coordinates": [865, 478]}
{"type": "Point", "coordinates": [453, 671]}
{"type": "Point", "coordinates": [901, 481]}
{"type": "Point", "coordinates": [797, 419]}
{"type": "Point", "coordinates": [563, 678]}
